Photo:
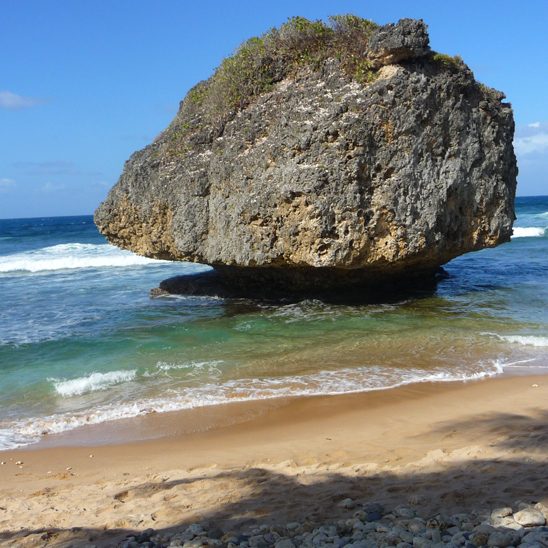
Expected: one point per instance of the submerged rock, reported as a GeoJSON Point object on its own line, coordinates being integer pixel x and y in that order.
{"type": "Point", "coordinates": [382, 163]}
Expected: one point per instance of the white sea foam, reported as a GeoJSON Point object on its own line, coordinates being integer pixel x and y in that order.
{"type": "Point", "coordinates": [91, 383]}
{"type": "Point", "coordinates": [342, 381]}
{"type": "Point", "coordinates": [193, 368]}
{"type": "Point", "coordinates": [526, 340]}
{"type": "Point", "coordinates": [69, 256]}
{"type": "Point", "coordinates": [528, 232]}
{"type": "Point", "coordinates": [11, 439]}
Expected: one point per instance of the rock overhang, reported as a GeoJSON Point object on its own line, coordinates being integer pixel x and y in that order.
{"type": "Point", "coordinates": [328, 179]}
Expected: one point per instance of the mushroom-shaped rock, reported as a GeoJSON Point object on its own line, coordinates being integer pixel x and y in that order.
{"type": "Point", "coordinates": [326, 172]}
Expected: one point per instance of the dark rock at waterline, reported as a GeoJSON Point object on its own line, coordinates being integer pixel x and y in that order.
{"type": "Point", "coordinates": [212, 284]}
{"type": "Point", "coordinates": [324, 180]}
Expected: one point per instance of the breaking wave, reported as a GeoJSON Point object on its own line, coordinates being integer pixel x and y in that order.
{"type": "Point", "coordinates": [528, 232]}
{"type": "Point", "coordinates": [344, 381]}
{"type": "Point", "coordinates": [526, 340]}
{"type": "Point", "coordinates": [91, 383]}
{"type": "Point", "coordinates": [69, 256]}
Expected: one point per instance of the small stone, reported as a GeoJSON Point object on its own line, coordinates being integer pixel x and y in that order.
{"type": "Point", "coordinates": [514, 536]}
{"type": "Point", "coordinates": [195, 529]}
{"type": "Point", "coordinates": [195, 543]}
{"type": "Point", "coordinates": [416, 526]}
{"type": "Point", "coordinates": [530, 517]}
{"type": "Point", "coordinates": [403, 512]}
{"type": "Point", "coordinates": [416, 500]}
{"type": "Point", "coordinates": [374, 508]}
{"type": "Point", "coordinates": [436, 535]}
{"type": "Point", "coordinates": [484, 528]}
{"type": "Point", "coordinates": [529, 537]}
{"type": "Point", "coordinates": [270, 538]}
{"type": "Point", "coordinates": [19, 462]}
{"type": "Point", "coordinates": [69, 468]}
{"type": "Point", "coordinates": [479, 538]}
{"type": "Point", "coordinates": [392, 538]}
{"type": "Point", "coordinates": [516, 527]}
{"type": "Point", "coordinates": [436, 523]}
{"type": "Point", "coordinates": [407, 537]}
{"type": "Point", "coordinates": [421, 542]}
{"type": "Point", "coordinates": [285, 543]}
{"type": "Point", "coordinates": [373, 516]}
{"type": "Point", "coordinates": [347, 503]}
{"type": "Point", "coordinates": [542, 537]}
{"type": "Point", "coordinates": [543, 509]}
{"type": "Point", "coordinates": [319, 539]}
{"type": "Point", "coordinates": [458, 538]}
{"type": "Point", "coordinates": [502, 522]}
{"type": "Point", "coordinates": [501, 512]}
{"type": "Point", "coordinates": [2, 462]}
{"type": "Point", "coordinates": [215, 534]}
{"type": "Point", "coordinates": [499, 539]}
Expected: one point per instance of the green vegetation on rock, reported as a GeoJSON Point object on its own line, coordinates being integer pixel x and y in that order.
{"type": "Point", "coordinates": [447, 61]}
{"type": "Point", "coordinates": [260, 62]}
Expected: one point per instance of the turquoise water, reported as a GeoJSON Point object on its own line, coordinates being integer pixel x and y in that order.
{"type": "Point", "coordinates": [81, 341]}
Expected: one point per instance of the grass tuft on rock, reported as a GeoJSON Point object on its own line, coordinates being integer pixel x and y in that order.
{"type": "Point", "coordinates": [262, 61]}
{"type": "Point", "coordinates": [446, 61]}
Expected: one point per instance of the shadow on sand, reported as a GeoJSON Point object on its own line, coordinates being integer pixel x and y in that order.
{"type": "Point", "coordinates": [311, 493]}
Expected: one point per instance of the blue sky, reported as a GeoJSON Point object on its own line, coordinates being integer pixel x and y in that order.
{"type": "Point", "coordinates": [83, 84]}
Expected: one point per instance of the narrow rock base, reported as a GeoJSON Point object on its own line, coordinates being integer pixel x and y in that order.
{"type": "Point", "coordinates": [293, 285]}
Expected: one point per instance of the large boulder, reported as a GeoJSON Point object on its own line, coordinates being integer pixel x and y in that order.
{"type": "Point", "coordinates": [379, 162]}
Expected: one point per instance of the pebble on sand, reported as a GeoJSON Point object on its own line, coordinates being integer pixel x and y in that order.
{"type": "Point", "coordinates": [392, 529]}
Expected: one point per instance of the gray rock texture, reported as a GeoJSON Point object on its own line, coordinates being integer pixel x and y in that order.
{"type": "Point", "coordinates": [394, 43]}
{"type": "Point", "coordinates": [323, 181]}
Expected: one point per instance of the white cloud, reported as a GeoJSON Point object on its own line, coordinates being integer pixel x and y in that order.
{"type": "Point", "coordinates": [535, 124]}
{"type": "Point", "coordinates": [48, 187]}
{"type": "Point", "coordinates": [6, 185]}
{"type": "Point", "coordinates": [533, 143]}
{"type": "Point", "coordinates": [12, 101]}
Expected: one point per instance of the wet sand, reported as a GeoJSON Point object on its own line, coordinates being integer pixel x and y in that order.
{"type": "Point", "coordinates": [444, 447]}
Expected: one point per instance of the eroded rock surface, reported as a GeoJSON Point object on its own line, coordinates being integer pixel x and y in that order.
{"type": "Point", "coordinates": [324, 181]}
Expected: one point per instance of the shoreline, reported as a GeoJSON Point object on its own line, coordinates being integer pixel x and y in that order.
{"type": "Point", "coordinates": [458, 445]}
{"type": "Point", "coordinates": [167, 424]}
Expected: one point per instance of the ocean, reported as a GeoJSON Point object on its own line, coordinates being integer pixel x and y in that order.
{"type": "Point", "coordinates": [83, 343]}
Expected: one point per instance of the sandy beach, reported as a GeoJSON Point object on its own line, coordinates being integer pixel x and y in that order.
{"type": "Point", "coordinates": [444, 447]}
